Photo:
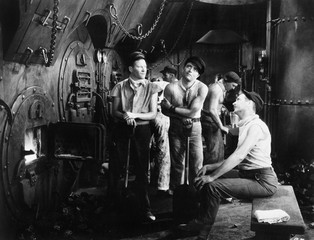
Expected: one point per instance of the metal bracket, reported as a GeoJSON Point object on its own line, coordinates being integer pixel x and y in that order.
{"type": "Point", "coordinates": [46, 20]}
{"type": "Point", "coordinates": [27, 56]}
{"type": "Point", "coordinates": [140, 29]}
{"type": "Point", "coordinates": [65, 22]}
{"type": "Point", "coordinates": [88, 16]}
{"type": "Point", "coordinates": [44, 52]}
{"type": "Point", "coordinates": [111, 31]}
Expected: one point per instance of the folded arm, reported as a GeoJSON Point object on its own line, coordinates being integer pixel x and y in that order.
{"type": "Point", "coordinates": [188, 112]}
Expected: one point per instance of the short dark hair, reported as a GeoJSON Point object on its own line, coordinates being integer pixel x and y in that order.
{"type": "Point", "coordinates": [168, 69]}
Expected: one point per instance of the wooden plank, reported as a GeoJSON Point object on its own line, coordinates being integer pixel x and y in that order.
{"type": "Point", "coordinates": [283, 199]}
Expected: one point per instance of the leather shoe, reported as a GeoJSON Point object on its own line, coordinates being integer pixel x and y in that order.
{"type": "Point", "coordinates": [163, 193]}
{"type": "Point", "coordinates": [149, 217]}
{"type": "Point", "coordinates": [194, 226]}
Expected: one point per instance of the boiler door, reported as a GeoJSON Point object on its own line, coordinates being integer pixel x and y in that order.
{"type": "Point", "coordinates": [28, 176]}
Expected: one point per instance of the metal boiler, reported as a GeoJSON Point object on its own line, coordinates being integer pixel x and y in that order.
{"type": "Point", "coordinates": [292, 81]}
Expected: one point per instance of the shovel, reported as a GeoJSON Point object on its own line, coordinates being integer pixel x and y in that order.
{"type": "Point", "coordinates": [129, 203]}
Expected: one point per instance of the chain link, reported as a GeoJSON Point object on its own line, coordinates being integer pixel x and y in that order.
{"type": "Point", "coordinates": [113, 13]}
{"type": "Point", "coordinates": [54, 29]}
{"type": "Point", "coordinates": [167, 54]}
{"type": "Point", "coordinates": [178, 39]}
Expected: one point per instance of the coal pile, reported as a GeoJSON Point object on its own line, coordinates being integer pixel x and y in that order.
{"type": "Point", "coordinates": [81, 214]}
{"type": "Point", "coordinates": [301, 177]}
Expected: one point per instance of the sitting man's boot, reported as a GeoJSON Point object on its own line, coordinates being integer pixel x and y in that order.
{"type": "Point", "coordinates": [204, 232]}
{"type": "Point", "coordinates": [192, 228]}
{"type": "Point", "coordinates": [196, 227]}
{"type": "Point", "coordinates": [148, 217]}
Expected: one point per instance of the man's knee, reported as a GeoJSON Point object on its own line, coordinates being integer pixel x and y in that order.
{"type": "Point", "coordinates": [210, 188]}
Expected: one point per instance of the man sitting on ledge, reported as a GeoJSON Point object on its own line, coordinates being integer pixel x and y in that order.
{"type": "Point", "coordinates": [252, 156]}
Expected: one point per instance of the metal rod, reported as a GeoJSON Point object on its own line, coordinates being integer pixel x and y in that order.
{"type": "Point", "coordinates": [268, 45]}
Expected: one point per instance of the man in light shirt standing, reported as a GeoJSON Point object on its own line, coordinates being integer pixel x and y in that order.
{"type": "Point", "coordinates": [134, 106]}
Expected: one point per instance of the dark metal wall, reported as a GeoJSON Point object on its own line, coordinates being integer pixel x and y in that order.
{"type": "Point", "coordinates": [293, 83]}
{"type": "Point", "coordinates": [34, 96]}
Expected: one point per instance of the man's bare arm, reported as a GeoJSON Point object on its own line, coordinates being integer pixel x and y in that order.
{"type": "Point", "coordinates": [189, 112]}
{"type": "Point", "coordinates": [215, 96]}
{"type": "Point", "coordinates": [115, 108]}
{"type": "Point", "coordinates": [253, 135]}
{"type": "Point", "coordinates": [166, 102]}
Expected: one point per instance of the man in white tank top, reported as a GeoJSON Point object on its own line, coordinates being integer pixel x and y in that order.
{"type": "Point", "coordinates": [252, 156]}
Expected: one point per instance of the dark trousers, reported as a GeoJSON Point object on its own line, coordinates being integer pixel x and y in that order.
{"type": "Point", "coordinates": [139, 158]}
{"type": "Point", "coordinates": [251, 184]}
{"type": "Point", "coordinates": [214, 144]}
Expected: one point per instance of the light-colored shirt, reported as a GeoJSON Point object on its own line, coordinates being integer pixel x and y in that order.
{"type": "Point", "coordinates": [259, 155]}
{"type": "Point", "coordinates": [162, 85]}
{"type": "Point", "coordinates": [135, 99]}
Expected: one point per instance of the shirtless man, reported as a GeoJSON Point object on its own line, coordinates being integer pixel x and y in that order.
{"type": "Point", "coordinates": [212, 127]}
{"type": "Point", "coordinates": [183, 101]}
{"type": "Point", "coordinates": [169, 74]}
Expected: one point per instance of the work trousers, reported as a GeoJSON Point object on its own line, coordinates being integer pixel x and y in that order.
{"type": "Point", "coordinates": [177, 140]}
{"type": "Point", "coordinates": [161, 157]}
{"type": "Point", "coordinates": [250, 184]}
{"type": "Point", "coordinates": [139, 156]}
{"type": "Point", "coordinates": [214, 144]}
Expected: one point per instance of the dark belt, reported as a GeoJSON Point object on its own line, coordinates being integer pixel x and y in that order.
{"type": "Point", "coordinates": [255, 173]}
{"type": "Point", "coordinates": [142, 122]}
{"type": "Point", "coordinates": [259, 170]}
{"type": "Point", "coordinates": [196, 119]}
{"type": "Point", "coordinates": [181, 120]}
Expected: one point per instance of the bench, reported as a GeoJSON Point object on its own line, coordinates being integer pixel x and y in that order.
{"type": "Point", "coordinates": [283, 199]}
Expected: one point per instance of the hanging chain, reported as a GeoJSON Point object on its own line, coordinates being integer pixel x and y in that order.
{"type": "Point", "coordinates": [53, 33]}
{"type": "Point", "coordinates": [113, 13]}
{"type": "Point", "coordinates": [167, 54]}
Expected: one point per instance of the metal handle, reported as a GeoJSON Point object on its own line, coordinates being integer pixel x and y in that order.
{"type": "Point", "coordinates": [127, 165]}
{"type": "Point", "coordinates": [187, 161]}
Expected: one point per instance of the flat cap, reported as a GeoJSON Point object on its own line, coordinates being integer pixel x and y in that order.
{"type": "Point", "coordinates": [232, 77]}
{"type": "Point", "coordinates": [256, 98]}
{"type": "Point", "coordinates": [134, 56]}
{"type": "Point", "coordinates": [198, 62]}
